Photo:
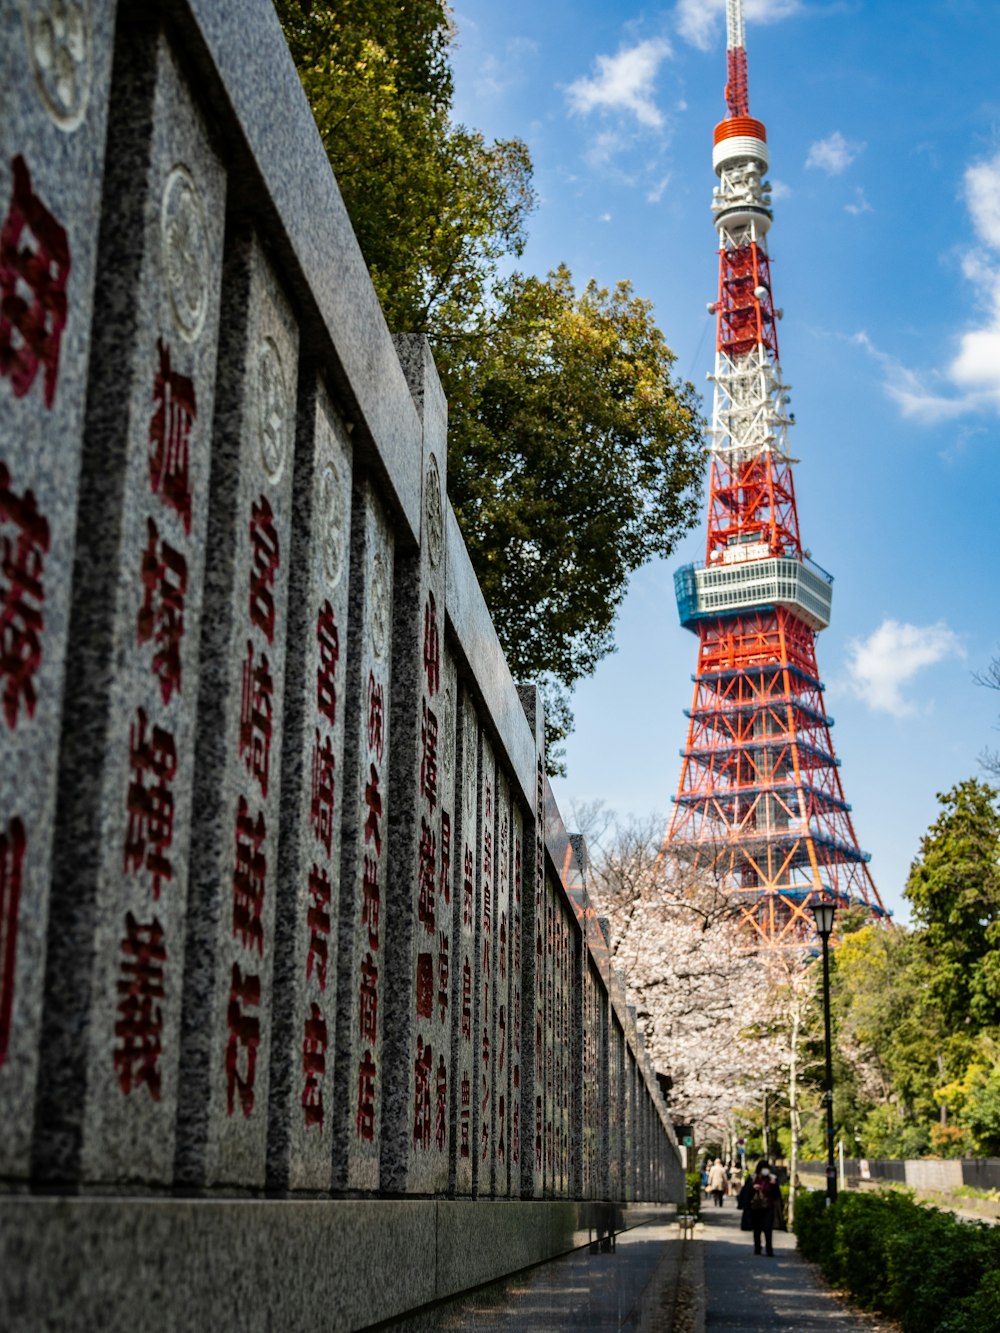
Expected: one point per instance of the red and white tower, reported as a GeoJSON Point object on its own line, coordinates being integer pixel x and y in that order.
{"type": "Point", "coordinates": [759, 806]}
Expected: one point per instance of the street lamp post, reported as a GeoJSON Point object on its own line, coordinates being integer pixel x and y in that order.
{"type": "Point", "coordinates": [824, 912]}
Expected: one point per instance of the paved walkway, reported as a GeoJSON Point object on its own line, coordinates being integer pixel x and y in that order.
{"type": "Point", "coordinates": [654, 1281]}
{"type": "Point", "coordinates": [751, 1293]}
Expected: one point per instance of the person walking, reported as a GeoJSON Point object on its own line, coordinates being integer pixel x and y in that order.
{"type": "Point", "coordinates": [717, 1182]}
{"type": "Point", "coordinates": [760, 1200]}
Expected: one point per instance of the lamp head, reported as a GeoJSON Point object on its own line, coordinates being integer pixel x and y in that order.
{"type": "Point", "coordinates": [824, 911]}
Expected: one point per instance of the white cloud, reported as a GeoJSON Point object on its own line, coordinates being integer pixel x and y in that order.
{"type": "Point", "coordinates": [982, 194]}
{"type": "Point", "coordinates": [970, 380]}
{"type": "Point", "coordinates": [499, 74]}
{"type": "Point", "coordinates": [605, 217]}
{"type": "Point", "coordinates": [624, 82]}
{"type": "Point", "coordinates": [891, 657]}
{"type": "Point", "coordinates": [656, 192]}
{"type": "Point", "coordinates": [834, 154]}
{"type": "Point", "coordinates": [698, 21]}
{"type": "Point", "coordinates": [860, 204]}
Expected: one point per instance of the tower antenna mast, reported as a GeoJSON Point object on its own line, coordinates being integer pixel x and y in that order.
{"type": "Point", "coordinates": [759, 808]}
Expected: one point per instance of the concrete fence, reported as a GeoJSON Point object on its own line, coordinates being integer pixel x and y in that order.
{"type": "Point", "coordinates": [305, 1013]}
{"type": "Point", "coordinates": [937, 1174]}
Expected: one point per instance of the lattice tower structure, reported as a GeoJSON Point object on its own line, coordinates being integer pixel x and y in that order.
{"type": "Point", "coordinates": [760, 808]}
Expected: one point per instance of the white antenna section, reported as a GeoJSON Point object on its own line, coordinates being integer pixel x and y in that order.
{"type": "Point", "coordinates": [735, 33]}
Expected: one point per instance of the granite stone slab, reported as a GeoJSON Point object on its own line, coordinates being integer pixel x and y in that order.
{"type": "Point", "coordinates": [417, 1054]}
{"type": "Point", "coordinates": [515, 1026]}
{"type": "Point", "coordinates": [223, 1117]}
{"type": "Point", "coordinates": [359, 1069]}
{"type": "Point", "coordinates": [485, 967]}
{"type": "Point", "coordinates": [108, 1093]}
{"type": "Point", "coordinates": [533, 962]}
{"type": "Point", "coordinates": [300, 1154]}
{"type": "Point", "coordinates": [502, 1019]}
{"type": "Point", "coordinates": [465, 950]}
{"type": "Point", "coordinates": [52, 140]}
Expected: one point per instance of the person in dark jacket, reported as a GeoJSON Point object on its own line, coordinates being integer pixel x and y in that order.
{"type": "Point", "coordinates": [760, 1199]}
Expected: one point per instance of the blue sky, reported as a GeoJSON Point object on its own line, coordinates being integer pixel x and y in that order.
{"type": "Point", "coordinates": [883, 124]}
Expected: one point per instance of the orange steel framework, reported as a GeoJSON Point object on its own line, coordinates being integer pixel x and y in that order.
{"type": "Point", "coordinates": [760, 807]}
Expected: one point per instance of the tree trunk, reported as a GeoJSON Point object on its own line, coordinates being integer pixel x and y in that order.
{"type": "Point", "coordinates": [793, 1112]}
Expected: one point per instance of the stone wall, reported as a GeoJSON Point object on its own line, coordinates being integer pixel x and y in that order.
{"type": "Point", "coordinates": [293, 943]}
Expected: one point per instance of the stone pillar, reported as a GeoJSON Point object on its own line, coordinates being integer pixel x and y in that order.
{"type": "Point", "coordinates": [485, 977]}
{"type": "Point", "coordinates": [223, 1118]}
{"type": "Point", "coordinates": [417, 998]}
{"type": "Point", "coordinates": [52, 139]}
{"type": "Point", "coordinates": [361, 978]}
{"type": "Point", "coordinates": [108, 1092]}
{"type": "Point", "coordinates": [533, 965]}
{"type": "Point", "coordinates": [306, 925]}
{"type": "Point", "coordinates": [501, 1037]}
{"type": "Point", "coordinates": [465, 948]}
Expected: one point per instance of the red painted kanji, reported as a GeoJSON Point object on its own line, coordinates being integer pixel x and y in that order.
{"type": "Point", "coordinates": [466, 1000]}
{"type": "Point", "coordinates": [256, 713]}
{"type": "Point", "coordinates": [265, 554]}
{"type": "Point", "coordinates": [249, 878]}
{"type": "Point", "coordinates": [365, 1119]}
{"type": "Point", "coordinates": [140, 1017]}
{"type": "Point", "coordinates": [442, 975]}
{"type": "Point", "coordinates": [422, 1068]}
{"type": "Point", "coordinates": [426, 876]}
{"type": "Point", "coordinates": [371, 900]}
{"type": "Point", "coordinates": [24, 542]}
{"type": "Point", "coordinates": [150, 829]}
{"type": "Point", "coordinates": [314, 1044]}
{"type": "Point", "coordinates": [467, 887]}
{"type": "Point", "coordinates": [163, 573]}
{"type": "Point", "coordinates": [373, 801]}
{"type": "Point", "coordinates": [432, 647]}
{"type": "Point", "coordinates": [318, 925]}
{"type": "Point", "coordinates": [322, 791]}
{"type": "Point", "coordinates": [425, 985]}
{"type": "Point", "coordinates": [428, 755]}
{"type": "Point", "coordinates": [368, 1001]}
{"type": "Point", "coordinates": [328, 642]}
{"type": "Point", "coordinates": [34, 271]}
{"type": "Point", "coordinates": [465, 1116]}
{"type": "Point", "coordinates": [441, 1111]}
{"type": "Point", "coordinates": [12, 848]}
{"type": "Point", "coordinates": [244, 1040]}
{"type": "Point", "coordinates": [170, 427]}
{"type": "Point", "coordinates": [376, 717]}
{"type": "Point", "coordinates": [444, 882]}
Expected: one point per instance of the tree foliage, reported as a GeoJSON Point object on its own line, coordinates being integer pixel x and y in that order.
{"type": "Point", "coordinates": [954, 886]}
{"type": "Point", "coordinates": [574, 454]}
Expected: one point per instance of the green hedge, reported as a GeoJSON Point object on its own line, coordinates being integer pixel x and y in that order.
{"type": "Point", "coordinates": [693, 1204]}
{"type": "Point", "coordinates": [932, 1272]}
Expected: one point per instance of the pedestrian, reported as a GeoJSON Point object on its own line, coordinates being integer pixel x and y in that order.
{"type": "Point", "coordinates": [760, 1200]}
{"type": "Point", "coordinates": [717, 1182]}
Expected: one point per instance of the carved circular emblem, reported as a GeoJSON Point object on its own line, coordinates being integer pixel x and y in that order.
{"type": "Point", "coordinates": [58, 35]}
{"type": "Point", "coordinates": [272, 410]}
{"type": "Point", "coordinates": [433, 512]}
{"type": "Point", "coordinates": [379, 616]}
{"type": "Point", "coordinates": [184, 245]}
{"type": "Point", "coordinates": [330, 518]}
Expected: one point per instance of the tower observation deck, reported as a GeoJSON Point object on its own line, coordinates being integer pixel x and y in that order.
{"type": "Point", "coordinates": [759, 808]}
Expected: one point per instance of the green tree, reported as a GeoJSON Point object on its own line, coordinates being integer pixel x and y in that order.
{"type": "Point", "coordinates": [954, 886]}
{"type": "Point", "coordinates": [574, 455]}
{"type": "Point", "coordinates": [574, 459]}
